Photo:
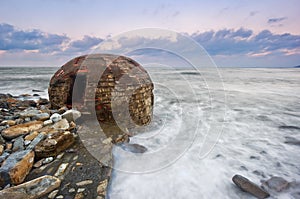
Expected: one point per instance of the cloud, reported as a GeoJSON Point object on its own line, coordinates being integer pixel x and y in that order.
{"type": "Point", "coordinates": [86, 43]}
{"type": "Point", "coordinates": [276, 20]}
{"type": "Point", "coordinates": [244, 41]}
{"type": "Point", "coordinates": [12, 39]}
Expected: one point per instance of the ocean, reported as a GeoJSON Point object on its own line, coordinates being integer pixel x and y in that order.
{"type": "Point", "coordinates": [253, 131]}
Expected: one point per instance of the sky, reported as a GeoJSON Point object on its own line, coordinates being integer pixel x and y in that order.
{"type": "Point", "coordinates": [235, 33]}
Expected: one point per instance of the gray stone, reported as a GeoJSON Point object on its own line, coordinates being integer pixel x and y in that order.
{"type": "Point", "coordinates": [33, 189]}
{"type": "Point", "coordinates": [41, 116]}
{"type": "Point", "coordinates": [246, 185]}
{"type": "Point", "coordinates": [276, 183]}
{"type": "Point", "coordinates": [4, 156]}
{"type": "Point", "coordinates": [83, 183]}
{"type": "Point", "coordinates": [71, 115]}
{"type": "Point", "coordinates": [18, 144]}
{"type": "Point", "coordinates": [29, 112]}
{"type": "Point", "coordinates": [55, 117]}
{"type": "Point", "coordinates": [48, 160]}
{"type": "Point", "coordinates": [35, 141]}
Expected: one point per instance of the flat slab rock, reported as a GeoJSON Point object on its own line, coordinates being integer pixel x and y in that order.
{"type": "Point", "coordinates": [21, 129]}
{"type": "Point", "coordinates": [246, 185]}
{"type": "Point", "coordinates": [33, 189]}
{"type": "Point", "coordinates": [54, 144]}
{"type": "Point", "coordinates": [16, 167]}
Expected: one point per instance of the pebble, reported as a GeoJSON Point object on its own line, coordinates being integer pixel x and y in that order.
{"type": "Point", "coordinates": [72, 190]}
{"type": "Point", "coordinates": [60, 197]}
{"type": "Point", "coordinates": [53, 194]}
{"type": "Point", "coordinates": [1, 149]}
{"type": "Point", "coordinates": [80, 190]}
{"type": "Point", "coordinates": [83, 183]}
{"type": "Point", "coordinates": [27, 142]}
{"type": "Point", "coordinates": [61, 169]}
{"type": "Point", "coordinates": [11, 122]}
{"type": "Point", "coordinates": [48, 160]}
{"type": "Point", "coordinates": [39, 163]}
{"type": "Point", "coordinates": [55, 117]}
{"type": "Point", "coordinates": [48, 122]}
{"type": "Point", "coordinates": [79, 196]}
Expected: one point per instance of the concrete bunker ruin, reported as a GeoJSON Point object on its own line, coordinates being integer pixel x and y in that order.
{"type": "Point", "coordinates": [100, 80]}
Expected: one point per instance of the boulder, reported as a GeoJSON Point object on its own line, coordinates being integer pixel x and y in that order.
{"type": "Point", "coordinates": [246, 185]}
{"type": "Point", "coordinates": [54, 144]}
{"type": "Point", "coordinates": [16, 167]}
{"type": "Point", "coordinates": [71, 115]}
{"type": "Point", "coordinates": [33, 189]}
{"type": "Point", "coordinates": [21, 129]}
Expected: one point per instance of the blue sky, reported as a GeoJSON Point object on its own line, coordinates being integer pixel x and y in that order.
{"type": "Point", "coordinates": [234, 32]}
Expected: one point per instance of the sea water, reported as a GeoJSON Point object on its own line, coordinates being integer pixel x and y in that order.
{"type": "Point", "coordinates": [260, 114]}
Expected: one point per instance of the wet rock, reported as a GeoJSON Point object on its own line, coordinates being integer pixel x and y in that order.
{"type": "Point", "coordinates": [16, 167]}
{"type": "Point", "coordinates": [134, 148]}
{"type": "Point", "coordinates": [18, 144]}
{"type": "Point", "coordinates": [55, 117]}
{"type": "Point", "coordinates": [71, 115]}
{"type": "Point", "coordinates": [36, 141]}
{"type": "Point", "coordinates": [41, 116]}
{"type": "Point", "coordinates": [246, 185]}
{"type": "Point", "coordinates": [54, 144]}
{"type": "Point", "coordinates": [83, 183]}
{"type": "Point", "coordinates": [292, 141]}
{"type": "Point", "coordinates": [276, 183]}
{"type": "Point", "coordinates": [33, 189]}
{"type": "Point", "coordinates": [21, 129]}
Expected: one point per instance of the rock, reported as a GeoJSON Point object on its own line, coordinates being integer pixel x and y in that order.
{"type": "Point", "coordinates": [19, 121]}
{"type": "Point", "coordinates": [4, 156]}
{"type": "Point", "coordinates": [1, 149]}
{"type": "Point", "coordinates": [36, 141]}
{"type": "Point", "coordinates": [62, 110]}
{"type": "Point", "coordinates": [41, 116]}
{"type": "Point", "coordinates": [21, 129]}
{"type": "Point", "coordinates": [71, 115]}
{"type": "Point", "coordinates": [79, 195]}
{"type": "Point", "coordinates": [23, 104]}
{"type": "Point", "coordinates": [60, 197]}
{"type": "Point", "coordinates": [31, 136]}
{"type": "Point", "coordinates": [33, 189]}
{"type": "Point", "coordinates": [61, 169]}
{"type": "Point", "coordinates": [61, 125]}
{"type": "Point", "coordinates": [36, 95]}
{"type": "Point", "coordinates": [53, 194]}
{"type": "Point", "coordinates": [16, 167]}
{"type": "Point", "coordinates": [246, 185]}
{"type": "Point", "coordinates": [38, 163]}
{"type": "Point", "coordinates": [276, 183]}
{"type": "Point", "coordinates": [36, 91]}
{"type": "Point", "coordinates": [83, 183]}
{"type": "Point", "coordinates": [72, 190]}
{"type": "Point", "coordinates": [54, 144]}
{"type": "Point", "coordinates": [29, 112]}
{"type": "Point", "coordinates": [27, 142]}
{"type": "Point", "coordinates": [55, 117]}
{"type": "Point", "coordinates": [2, 141]}
{"type": "Point", "coordinates": [80, 190]}
{"type": "Point", "coordinates": [107, 141]}
{"type": "Point", "coordinates": [48, 122]}
{"type": "Point", "coordinates": [8, 146]}
{"type": "Point", "coordinates": [134, 148]}
{"type": "Point", "coordinates": [43, 101]}
{"type": "Point", "coordinates": [18, 144]}
{"type": "Point", "coordinates": [101, 189]}
{"type": "Point", "coordinates": [11, 122]}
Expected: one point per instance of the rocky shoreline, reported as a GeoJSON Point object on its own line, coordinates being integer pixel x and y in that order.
{"type": "Point", "coordinates": [41, 155]}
